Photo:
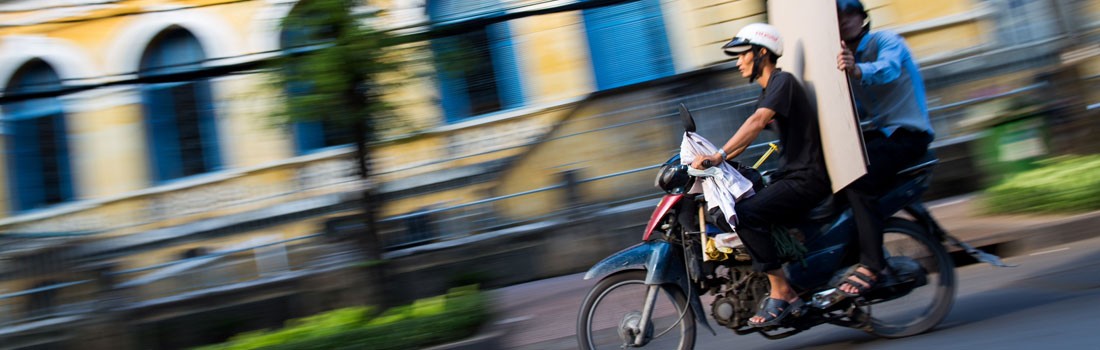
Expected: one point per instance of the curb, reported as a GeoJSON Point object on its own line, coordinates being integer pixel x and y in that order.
{"type": "Point", "coordinates": [1008, 235]}
{"type": "Point", "coordinates": [490, 337]}
{"type": "Point", "coordinates": [1043, 235]}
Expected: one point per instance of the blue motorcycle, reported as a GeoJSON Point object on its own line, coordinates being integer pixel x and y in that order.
{"type": "Point", "coordinates": [652, 294]}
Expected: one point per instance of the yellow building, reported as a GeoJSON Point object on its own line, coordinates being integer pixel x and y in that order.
{"type": "Point", "coordinates": [111, 149]}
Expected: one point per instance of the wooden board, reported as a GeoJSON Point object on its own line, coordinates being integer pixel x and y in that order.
{"type": "Point", "coordinates": [811, 42]}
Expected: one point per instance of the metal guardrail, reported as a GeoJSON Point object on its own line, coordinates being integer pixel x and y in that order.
{"type": "Point", "coordinates": [195, 273]}
{"type": "Point", "coordinates": [478, 216]}
{"type": "Point", "coordinates": [944, 118]}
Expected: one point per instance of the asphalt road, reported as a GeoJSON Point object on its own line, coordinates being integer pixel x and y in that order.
{"type": "Point", "coordinates": [1051, 300]}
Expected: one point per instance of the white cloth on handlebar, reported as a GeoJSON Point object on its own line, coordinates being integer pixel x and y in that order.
{"type": "Point", "coordinates": [725, 187]}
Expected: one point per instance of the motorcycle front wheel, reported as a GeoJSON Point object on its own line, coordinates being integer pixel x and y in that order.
{"type": "Point", "coordinates": [925, 306]}
{"type": "Point", "coordinates": [611, 315]}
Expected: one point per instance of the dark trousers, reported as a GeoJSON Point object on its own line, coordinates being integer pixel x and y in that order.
{"type": "Point", "coordinates": [886, 156]}
{"type": "Point", "coordinates": [786, 200]}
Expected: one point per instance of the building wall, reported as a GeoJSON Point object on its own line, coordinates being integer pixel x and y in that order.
{"type": "Point", "coordinates": [260, 167]}
{"type": "Point", "coordinates": [711, 23]}
{"type": "Point", "coordinates": [106, 125]}
{"type": "Point", "coordinates": [107, 130]}
{"type": "Point", "coordinates": [554, 52]}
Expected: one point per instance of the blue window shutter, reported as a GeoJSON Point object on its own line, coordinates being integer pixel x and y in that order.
{"type": "Point", "coordinates": [628, 43]}
{"type": "Point", "coordinates": [37, 155]}
{"type": "Point", "coordinates": [308, 136]}
{"type": "Point", "coordinates": [25, 164]}
{"type": "Point", "coordinates": [181, 122]}
{"type": "Point", "coordinates": [65, 180]}
{"type": "Point", "coordinates": [208, 125]}
{"type": "Point", "coordinates": [161, 130]}
{"type": "Point", "coordinates": [510, 85]}
{"type": "Point", "coordinates": [488, 79]}
{"type": "Point", "coordinates": [453, 98]}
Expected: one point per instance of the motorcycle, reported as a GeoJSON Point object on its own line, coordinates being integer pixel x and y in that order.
{"type": "Point", "coordinates": [651, 294]}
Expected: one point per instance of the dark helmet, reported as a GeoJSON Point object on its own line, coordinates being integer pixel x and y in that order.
{"type": "Point", "coordinates": [673, 178]}
{"type": "Point", "coordinates": [850, 6]}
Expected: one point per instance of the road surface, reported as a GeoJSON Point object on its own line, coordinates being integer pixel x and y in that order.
{"type": "Point", "coordinates": [1051, 300]}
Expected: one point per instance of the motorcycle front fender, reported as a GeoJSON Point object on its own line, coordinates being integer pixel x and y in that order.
{"type": "Point", "coordinates": [651, 256]}
{"type": "Point", "coordinates": [661, 266]}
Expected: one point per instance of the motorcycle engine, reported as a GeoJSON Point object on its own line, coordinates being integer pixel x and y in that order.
{"type": "Point", "coordinates": [737, 300]}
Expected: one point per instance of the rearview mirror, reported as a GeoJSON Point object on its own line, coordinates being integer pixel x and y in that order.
{"type": "Point", "coordinates": [685, 117]}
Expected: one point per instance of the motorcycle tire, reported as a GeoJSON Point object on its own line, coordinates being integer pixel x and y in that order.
{"type": "Point", "coordinates": [597, 330]}
{"type": "Point", "coordinates": [925, 306]}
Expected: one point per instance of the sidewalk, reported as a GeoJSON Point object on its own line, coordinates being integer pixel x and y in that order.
{"type": "Point", "coordinates": [540, 311]}
{"type": "Point", "coordinates": [1009, 235]}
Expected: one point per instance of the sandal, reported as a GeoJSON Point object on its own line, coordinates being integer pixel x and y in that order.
{"type": "Point", "coordinates": [775, 310]}
{"type": "Point", "coordinates": [851, 276]}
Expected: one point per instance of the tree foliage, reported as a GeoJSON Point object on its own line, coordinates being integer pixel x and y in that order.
{"type": "Point", "coordinates": [333, 64]}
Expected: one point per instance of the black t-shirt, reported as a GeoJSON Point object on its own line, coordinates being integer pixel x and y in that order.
{"type": "Point", "coordinates": [800, 151]}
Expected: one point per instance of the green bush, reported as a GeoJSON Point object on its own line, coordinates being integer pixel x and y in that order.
{"type": "Point", "coordinates": [1061, 185]}
{"type": "Point", "coordinates": [453, 316]}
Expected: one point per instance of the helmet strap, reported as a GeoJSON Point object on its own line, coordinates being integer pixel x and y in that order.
{"type": "Point", "coordinates": [757, 68]}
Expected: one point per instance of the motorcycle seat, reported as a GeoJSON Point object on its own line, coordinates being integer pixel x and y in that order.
{"type": "Point", "coordinates": [829, 208]}
{"type": "Point", "coordinates": [825, 211]}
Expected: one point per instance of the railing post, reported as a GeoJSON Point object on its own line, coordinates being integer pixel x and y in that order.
{"type": "Point", "coordinates": [107, 294]}
{"type": "Point", "coordinates": [271, 260]}
{"type": "Point", "coordinates": [573, 198]}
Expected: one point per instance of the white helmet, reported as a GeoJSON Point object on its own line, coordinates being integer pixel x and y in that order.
{"type": "Point", "coordinates": [761, 34]}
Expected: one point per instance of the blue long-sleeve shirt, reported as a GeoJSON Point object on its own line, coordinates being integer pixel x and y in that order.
{"type": "Point", "coordinates": [891, 92]}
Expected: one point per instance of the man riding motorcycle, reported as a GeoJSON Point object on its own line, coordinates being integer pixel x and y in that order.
{"type": "Point", "coordinates": [801, 181]}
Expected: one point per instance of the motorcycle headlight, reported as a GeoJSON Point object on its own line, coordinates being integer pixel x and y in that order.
{"type": "Point", "coordinates": [674, 179]}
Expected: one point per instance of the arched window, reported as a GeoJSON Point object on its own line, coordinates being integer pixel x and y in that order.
{"type": "Point", "coordinates": [310, 135]}
{"type": "Point", "coordinates": [37, 150]}
{"type": "Point", "coordinates": [179, 116]}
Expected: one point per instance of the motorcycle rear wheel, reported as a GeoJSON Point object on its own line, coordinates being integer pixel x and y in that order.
{"type": "Point", "coordinates": [925, 306]}
{"type": "Point", "coordinates": [616, 302]}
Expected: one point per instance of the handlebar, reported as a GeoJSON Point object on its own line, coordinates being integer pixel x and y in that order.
{"type": "Point", "coordinates": [772, 148]}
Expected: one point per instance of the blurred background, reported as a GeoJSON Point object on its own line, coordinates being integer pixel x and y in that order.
{"type": "Point", "coordinates": [179, 171]}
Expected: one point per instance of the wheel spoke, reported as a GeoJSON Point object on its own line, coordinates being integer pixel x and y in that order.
{"type": "Point", "coordinates": [611, 316]}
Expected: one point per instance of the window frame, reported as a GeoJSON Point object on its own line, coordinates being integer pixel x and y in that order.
{"type": "Point", "coordinates": [175, 50]}
{"type": "Point", "coordinates": [26, 164]}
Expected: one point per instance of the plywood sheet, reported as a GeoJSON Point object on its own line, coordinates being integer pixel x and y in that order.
{"type": "Point", "coordinates": [811, 39]}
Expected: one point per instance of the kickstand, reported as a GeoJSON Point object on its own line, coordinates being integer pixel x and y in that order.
{"type": "Point", "coordinates": [978, 253]}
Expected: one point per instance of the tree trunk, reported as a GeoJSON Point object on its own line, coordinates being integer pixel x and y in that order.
{"type": "Point", "coordinates": [369, 242]}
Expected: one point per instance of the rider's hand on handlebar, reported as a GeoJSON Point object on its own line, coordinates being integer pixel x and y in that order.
{"type": "Point", "coordinates": [712, 158]}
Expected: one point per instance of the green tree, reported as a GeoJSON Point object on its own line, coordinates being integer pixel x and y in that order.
{"type": "Point", "coordinates": [332, 71]}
